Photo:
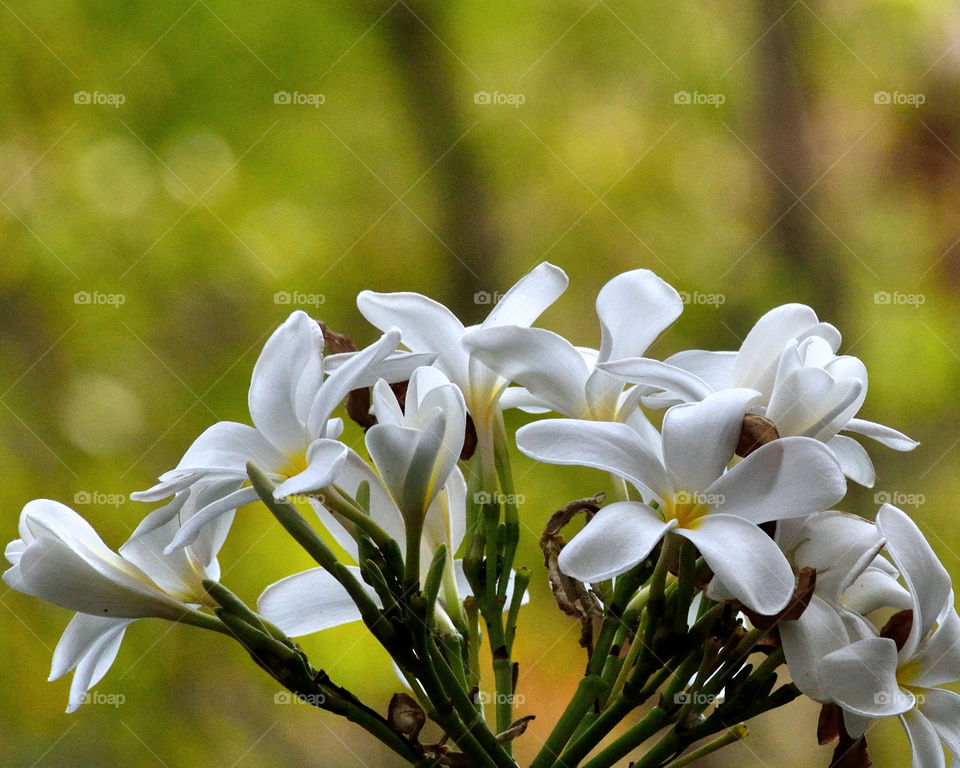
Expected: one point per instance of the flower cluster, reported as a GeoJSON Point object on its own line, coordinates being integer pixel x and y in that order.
{"type": "Point", "coordinates": [721, 540]}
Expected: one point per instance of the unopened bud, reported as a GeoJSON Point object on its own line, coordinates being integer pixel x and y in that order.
{"type": "Point", "coordinates": [756, 431]}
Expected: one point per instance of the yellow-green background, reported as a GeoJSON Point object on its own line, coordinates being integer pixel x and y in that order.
{"type": "Point", "coordinates": [200, 198]}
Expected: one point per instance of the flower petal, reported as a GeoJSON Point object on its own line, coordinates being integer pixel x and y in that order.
{"type": "Point", "coordinates": [310, 601]}
{"type": "Point", "coordinates": [746, 560]}
{"type": "Point", "coordinates": [666, 383]}
{"type": "Point", "coordinates": [619, 536]}
{"type": "Point", "coordinates": [609, 446]}
{"type": "Point", "coordinates": [324, 460]}
{"type": "Point", "coordinates": [540, 360]}
{"type": "Point", "coordinates": [529, 296]}
{"type": "Point", "coordinates": [927, 580]}
{"type": "Point", "coordinates": [939, 660]}
{"type": "Point", "coordinates": [95, 660]}
{"type": "Point", "coordinates": [285, 378]}
{"type": "Point", "coordinates": [699, 438]}
{"type": "Point", "coordinates": [887, 436]}
{"type": "Point", "coordinates": [192, 528]}
{"type": "Point", "coordinates": [715, 368]}
{"type": "Point", "coordinates": [427, 326]}
{"type": "Point", "coordinates": [853, 459]}
{"type": "Point", "coordinates": [634, 308]}
{"type": "Point", "coordinates": [925, 748]}
{"type": "Point", "coordinates": [862, 677]}
{"type": "Point", "coordinates": [875, 589]}
{"type": "Point", "coordinates": [226, 447]}
{"type": "Point", "coordinates": [807, 640]}
{"type": "Point", "coordinates": [942, 709]}
{"type": "Point", "coordinates": [789, 477]}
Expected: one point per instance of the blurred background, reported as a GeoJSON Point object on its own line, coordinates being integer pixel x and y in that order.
{"type": "Point", "coordinates": [176, 177]}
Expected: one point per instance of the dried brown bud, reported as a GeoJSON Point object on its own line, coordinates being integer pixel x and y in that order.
{"type": "Point", "coordinates": [898, 627]}
{"type": "Point", "coordinates": [335, 342]}
{"type": "Point", "coordinates": [756, 431]}
{"type": "Point", "coordinates": [806, 584]}
{"type": "Point", "coordinates": [405, 716]}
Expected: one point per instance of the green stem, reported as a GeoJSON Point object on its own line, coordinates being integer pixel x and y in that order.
{"type": "Point", "coordinates": [737, 733]}
{"type": "Point", "coordinates": [588, 691]}
{"type": "Point", "coordinates": [654, 721]}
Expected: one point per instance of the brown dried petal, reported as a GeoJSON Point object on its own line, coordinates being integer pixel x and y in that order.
{"type": "Point", "coordinates": [405, 716]}
{"type": "Point", "coordinates": [756, 431]}
{"type": "Point", "coordinates": [898, 627]}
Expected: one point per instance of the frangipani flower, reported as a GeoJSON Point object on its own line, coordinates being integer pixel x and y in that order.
{"type": "Point", "coordinates": [901, 675]}
{"type": "Point", "coordinates": [60, 558]}
{"type": "Point", "coordinates": [430, 327]}
{"type": "Point", "coordinates": [634, 308]}
{"type": "Point", "coordinates": [805, 388]}
{"type": "Point", "coordinates": [291, 402]}
{"type": "Point", "coordinates": [840, 547]}
{"type": "Point", "coordinates": [695, 497]}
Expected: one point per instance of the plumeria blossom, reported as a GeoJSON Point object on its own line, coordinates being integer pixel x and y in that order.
{"type": "Point", "coordinates": [841, 547]}
{"type": "Point", "coordinates": [60, 558]}
{"type": "Point", "coordinates": [881, 677]}
{"type": "Point", "coordinates": [291, 402]}
{"type": "Point", "coordinates": [634, 309]}
{"type": "Point", "coordinates": [805, 388]}
{"type": "Point", "coordinates": [430, 327]}
{"type": "Point", "coordinates": [689, 493]}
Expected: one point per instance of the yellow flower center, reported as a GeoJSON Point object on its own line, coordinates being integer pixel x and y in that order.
{"type": "Point", "coordinates": [686, 508]}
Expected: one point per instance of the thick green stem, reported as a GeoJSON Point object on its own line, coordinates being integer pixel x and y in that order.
{"type": "Point", "coordinates": [654, 721]}
{"type": "Point", "coordinates": [733, 735]}
{"type": "Point", "coordinates": [588, 691]}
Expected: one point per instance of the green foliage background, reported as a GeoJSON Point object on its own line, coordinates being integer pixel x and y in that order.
{"type": "Point", "coordinates": [199, 198]}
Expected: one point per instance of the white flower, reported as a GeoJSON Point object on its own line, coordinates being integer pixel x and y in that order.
{"type": "Point", "coordinates": [428, 326]}
{"type": "Point", "coordinates": [805, 388]}
{"type": "Point", "coordinates": [871, 678]}
{"type": "Point", "coordinates": [291, 402]}
{"type": "Point", "coordinates": [634, 308]}
{"type": "Point", "coordinates": [695, 497]}
{"type": "Point", "coordinates": [59, 557]}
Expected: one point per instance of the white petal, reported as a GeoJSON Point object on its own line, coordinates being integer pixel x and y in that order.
{"type": "Point", "coordinates": [699, 438]}
{"type": "Point", "coordinates": [634, 308]}
{"type": "Point", "coordinates": [673, 382]}
{"type": "Point", "coordinates": [925, 748]}
{"type": "Point", "coordinates": [226, 447]}
{"type": "Point", "coordinates": [612, 447]}
{"type": "Point", "coordinates": [747, 561]}
{"type": "Point", "coordinates": [811, 402]}
{"type": "Point", "coordinates": [789, 477]}
{"type": "Point", "coordinates": [715, 368]}
{"type": "Point", "coordinates": [521, 398]}
{"type": "Point", "coordinates": [839, 545]}
{"type": "Point", "coordinates": [285, 378]}
{"type": "Point", "coordinates": [884, 435]}
{"type": "Point", "coordinates": [397, 367]}
{"type": "Point", "coordinates": [82, 635]}
{"type": "Point", "coordinates": [361, 367]}
{"type": "Point", "coordinates": [759, 354]}
{"type": "Point", "coordinates": [540, 360]}
{"type": "Point", "coordinates": [392, 448]}
{"type": "Point", "coordinates": [324, 460]}
{"type": "Point", "coordinates": [445, 521]}
{"type": "Point", "coordinates": [942, 709]}
{"type": "Point", "coordinates": [854, 460]}
{"type": "Point", "coordinates": [807, 640]}
{"type": "Point", "coordinates": [192, 528]}
{"type": "Point", "coordinates": [529, 296]}
{"type": "Point", "coordinates": [862, 678]}
{"type": "Point", "coordinates": [619, 536]}
{"type": "Point", "coordinates": [939, 660]}
{"type": "Point", "coordinates": [875, 589]}
{"type": "Point", "coordinates": [95, 663]}
{"type": "Point", "coordinates": [309, 602]}
{"type": "Point", "coordinates": [427, 326]}
{"type": "Point", "coordinates": [927, 580]}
